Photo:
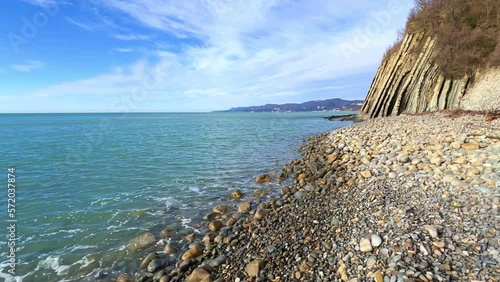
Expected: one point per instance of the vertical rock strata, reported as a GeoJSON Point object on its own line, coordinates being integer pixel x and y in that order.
{"type": "Point", "coordinates": [410, 82]}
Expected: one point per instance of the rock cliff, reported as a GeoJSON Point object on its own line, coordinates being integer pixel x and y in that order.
{"type": "Point", "coordinates": [409, 81]}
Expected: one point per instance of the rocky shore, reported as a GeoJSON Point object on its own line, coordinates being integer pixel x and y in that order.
{"type": "Point", "coordinates": [409, 198]}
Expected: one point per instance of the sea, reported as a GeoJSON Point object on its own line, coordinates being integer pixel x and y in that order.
{"type": "Point", "coordinates": [86, 184]}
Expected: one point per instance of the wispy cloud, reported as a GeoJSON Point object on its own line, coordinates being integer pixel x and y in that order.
{"type": "Point", "coordinates": [250, 50]}
{"type": "Point", "coordinates": [79, 24]}
{"type": "Point", "coordinates": [124, 50]}
{"type": "Point", "coordinates": [28, 66]}
{"type": "Point", "coordinates": [130, 37]}
{"type": "Point", "coordinates": [41, 3]}
{"type": "Point", "coordinates": [47, 3]}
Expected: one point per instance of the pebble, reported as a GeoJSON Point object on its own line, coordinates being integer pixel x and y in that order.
{"type": "Point", "coordinates": [263, 178]}
{"type": "Point", "coordinates": [237, 194]}
{"type": "Point", "coordinates": [432, 230]}
{"type": "Point", "coordinates": [439, 244]}
{"type": "Point", "coordinates": [253, 268]}
{"type": "Point", "coordinates": [365, 245]}
{"type": "Point", "coordinates": [170, 249]}
{"type": "Point", "coordinates": [215, 225]}
{"type": "Point", "coordinates": [244, 207]}
{"type": "Point", "coordinates": [371, 262]}
{"type": "Point", "coordinates": [366, 174]}
{"type": "Point", "coordinates": [403, 158]}
{"type": "Point", "coordinates": [376, 240]}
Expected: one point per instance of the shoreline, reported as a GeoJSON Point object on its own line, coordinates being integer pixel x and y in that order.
{"type": "Point", "coordinates": [409, 197]}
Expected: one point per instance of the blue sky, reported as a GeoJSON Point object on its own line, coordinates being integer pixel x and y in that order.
{"type": "Point", "coordinates": [161, 55]}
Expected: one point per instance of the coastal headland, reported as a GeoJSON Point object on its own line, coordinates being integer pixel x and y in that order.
{"type": "Point", "coordinates": [406, 198]}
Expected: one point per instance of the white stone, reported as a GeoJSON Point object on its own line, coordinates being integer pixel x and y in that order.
{"type": "Point", "coordinates": [376, 240]}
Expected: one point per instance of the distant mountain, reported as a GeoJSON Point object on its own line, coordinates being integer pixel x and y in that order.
{"type": "Point", "coordinates": [320, 105]}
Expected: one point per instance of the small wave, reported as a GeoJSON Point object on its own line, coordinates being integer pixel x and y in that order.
{"type": "Point", "coordinates": [29, 239]}
{"type": "Point", "coordinates": [84, 262]}
{"type": "Point", "coordinates": [168, 201]}
{"type": "Point", "coordinates": [113, 227]}
{"type": "Point", "coordinates": [71, 231]}
{"type": "Point", "coordinates": [101, 202]}
{"type": "Point", "coordinates": [163, 242]}
{"type": "Point", "coordinates": [8, 277]}
{"type": "Point", "coordinates": [83, 247]}
{"type": "Point", "coordinates": [117, 228]}
{"type": "Point", "coordinates": [197, 190]}
{"type": "Point", "coordinates": [156, 213]}
{"type": "Point", "coordinates": [184, 223]}
{"type": "Point", "coordinates": [53, 262]}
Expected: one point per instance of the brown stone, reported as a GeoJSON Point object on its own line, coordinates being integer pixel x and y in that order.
{"type": "Point", "coordinates": [221, 209]}
{"type": "Point", "coordinates": [215, 225]}
{"type": "Point", "coordinates": [231, 222]}
{"type": "Point", "coordinates": [253, 268]}
{"type": "Point", "coordinates": [470, 146]}
{"type": "Point", "coordinates": [331, 158]}
{"type": "Point", "coordinates": [200, 275]}
{"type": "Point", "coordinates": [194, 251]}
{"type": "Point", "coordinates": [260, 214]}
{"type": "Point", "coordinates": [208, 238]}
{"type": "Point", "coordinates": [365, 245]}
{"type": "Point", "coordinates": [263, 178]}
{"type": "Point", "coordinates": [366, 174]}
{"type": "Point", "coordinates": [287, 169]}
{"type": "Point", "coordinates": [297, 275]}
{"type": "Point", "coordinates": [236, 194]}
{"type": "Point", "coordinates": [379, 277]}
{"type": "Point", "coordinates": [490, 117]}
{"type": "Point", "coordinates": [165, 233]}
{"type": "Point", "coordinates": [244, 207]}
{"type": "Point", "coordinates": [351, 182]}
{"type": "Point", "coordinates": [147, 260]}
{"type": "Point", "coordinates": [124, 278]}
{"type": "Point", "coordinates": [190, 237]}
{"type": "Point", "coordinates": [342, 272]}
{"type": "Point", "coordinates": [141, 241]}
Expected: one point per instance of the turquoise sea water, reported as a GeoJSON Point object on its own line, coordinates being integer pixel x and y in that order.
{"type": "Point", "coordinates": [88, 183]}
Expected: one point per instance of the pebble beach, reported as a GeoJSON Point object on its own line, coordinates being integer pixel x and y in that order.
{"type": "Point", "coordinates": [408, 198]}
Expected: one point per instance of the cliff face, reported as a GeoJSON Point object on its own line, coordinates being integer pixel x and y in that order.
{"type": "Point", "coordinates": [410, 82]}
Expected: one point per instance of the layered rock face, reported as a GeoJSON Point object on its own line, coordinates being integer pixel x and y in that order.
{"type": "Point", "coordinates": [410, 82]}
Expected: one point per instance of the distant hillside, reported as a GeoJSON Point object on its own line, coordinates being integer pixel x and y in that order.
{"type": "Point", "coordinates": [320, 105]}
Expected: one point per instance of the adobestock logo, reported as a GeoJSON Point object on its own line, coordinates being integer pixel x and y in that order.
{"type": "Point", "coordinates": [31, 26]}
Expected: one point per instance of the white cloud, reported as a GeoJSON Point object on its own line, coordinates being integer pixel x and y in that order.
{"type": "Point", "coordinates": [250, 50]}
{"type": "Point", "coordinates": [28, 66]}
{"type": "Point", "coordinates": [42, 3]}
{"type": "Point", "coordinates": [79, 24]}
{"type": "Point", "coordinates": [130, 37]}
{"type": "Point", "coordinates": [124, 50]}
{"type": "Point", "coordinates": [47, 3]}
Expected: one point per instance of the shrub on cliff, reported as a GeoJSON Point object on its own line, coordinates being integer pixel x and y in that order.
{"type": "Point", "coordinates": [466, 32]}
